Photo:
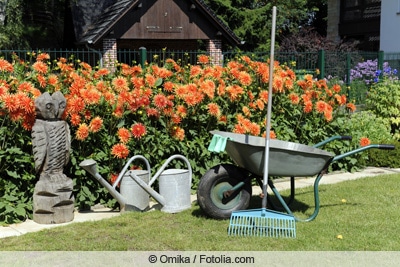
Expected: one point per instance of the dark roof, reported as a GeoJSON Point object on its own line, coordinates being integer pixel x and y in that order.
{"type": "Point", "coordinates": [102, 24]}
{"type": "Point", "coordinates": [98, 25]}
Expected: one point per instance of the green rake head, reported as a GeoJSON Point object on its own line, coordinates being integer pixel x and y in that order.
{"type": "Point", "coordinates": [262, 222]}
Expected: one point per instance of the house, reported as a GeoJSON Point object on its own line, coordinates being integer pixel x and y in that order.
{"type": "Point", "coordinates": [390, 23]}
{"type": "Point", "coordinates": [358, 20]}
{"type": "Point", "coordinates": [108, 25]}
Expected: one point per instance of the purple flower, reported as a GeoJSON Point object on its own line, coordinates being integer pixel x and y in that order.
{"type": "Point", "coordinates": [368, 72]}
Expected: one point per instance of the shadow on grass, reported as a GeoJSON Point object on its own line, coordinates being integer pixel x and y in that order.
{"type": "Point", "coordinates": [274, 204]}
{"type": "Point", "coordinates": [296, 205]}
{"type": "Point", "coordinates": [198, 212]}
{"type": "Point", "coordinates": [255, 203]}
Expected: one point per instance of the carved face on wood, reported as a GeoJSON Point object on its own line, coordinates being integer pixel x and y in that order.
{"type": "Point", "coordinates": [61, 101]}
{"type": "Point", "coordinates": [50, 107]}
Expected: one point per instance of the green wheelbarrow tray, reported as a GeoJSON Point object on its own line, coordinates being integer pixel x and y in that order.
{"type": "Point", "coordinates": [287, 159]}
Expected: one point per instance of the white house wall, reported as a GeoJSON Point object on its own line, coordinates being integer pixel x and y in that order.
{"type": "Point", "coordinates": [390, 26]}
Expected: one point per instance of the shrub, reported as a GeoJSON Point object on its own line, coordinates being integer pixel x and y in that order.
{"type": "Point", "coordinates": [17, 176]}
{"type": "Point", "coordinates": [360, 125]}
{"type": "Point", "coordinates": [384, 101]}
{"type": "Point", "coordinates": [385, 158]}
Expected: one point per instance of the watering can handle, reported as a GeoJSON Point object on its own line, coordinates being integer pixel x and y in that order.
{"type": "Point", "coordinates": [346, 137]}
{"type": "Point", "coordinates": [121, 174]}
{"type": "Point", "coordinates": [158, 173]}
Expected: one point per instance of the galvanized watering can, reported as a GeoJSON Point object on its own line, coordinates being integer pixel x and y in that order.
{"type": "Point", "coordinates": [135, 185]}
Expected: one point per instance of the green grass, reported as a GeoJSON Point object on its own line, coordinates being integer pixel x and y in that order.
{"type": "Point", "coordinates": [367, 220]}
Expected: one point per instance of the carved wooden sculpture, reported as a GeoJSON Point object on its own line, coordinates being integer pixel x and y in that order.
{"type": "Point", "coordinates": [53, 200]}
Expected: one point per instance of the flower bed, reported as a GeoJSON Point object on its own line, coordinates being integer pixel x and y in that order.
{"type": "Point", "coordinates": [155, 111]}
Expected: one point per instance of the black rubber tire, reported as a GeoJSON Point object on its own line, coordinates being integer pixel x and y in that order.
{"type": "Point", "coordinates": [219, 178]}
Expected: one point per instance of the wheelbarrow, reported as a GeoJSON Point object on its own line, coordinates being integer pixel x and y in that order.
{"type": "Point", "coordinates": [227, 188]}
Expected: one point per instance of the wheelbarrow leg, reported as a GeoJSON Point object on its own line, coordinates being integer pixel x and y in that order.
{"type": "Point", "coordinates": [276, 193]}
{"type": "Point", "coordinates": [291, 197]}
{"type": "Point", "coordinates": [316, 200]}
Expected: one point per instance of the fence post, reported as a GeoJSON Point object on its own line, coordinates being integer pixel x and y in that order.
{"type": "Point", "coordinates": [348, 68]}
{"type": "Point", "coordinates": [321, 64]}
{"type": "Point", "coordinates": [143, 56]}
{"type": "Point", "coordinates": [380, 60]}
{"type": "Point", "coordinates": [348, 74]}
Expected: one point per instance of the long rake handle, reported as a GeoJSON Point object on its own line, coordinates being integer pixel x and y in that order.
{"type": "Point", "coordinates": [269, 108]}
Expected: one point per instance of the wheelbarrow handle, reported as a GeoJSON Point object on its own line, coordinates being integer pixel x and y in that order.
{"type": "Point", "coordinates": [360, 149]}
{"type": "Point", "coordinates": [336, 137]}
{"type": "Point", "coordinates": [387, 147]}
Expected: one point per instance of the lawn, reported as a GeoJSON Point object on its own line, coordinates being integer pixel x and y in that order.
{"type": "Point", "coordinates": [355, 215]}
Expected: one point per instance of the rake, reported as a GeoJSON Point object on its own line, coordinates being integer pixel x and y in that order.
{"type": "Point", "coordinates": [264, 222]}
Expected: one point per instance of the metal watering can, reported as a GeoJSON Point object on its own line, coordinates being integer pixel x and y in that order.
{"type": "Point", "coordinates": [135, 185]}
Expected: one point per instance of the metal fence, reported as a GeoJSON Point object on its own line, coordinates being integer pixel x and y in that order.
{"type": "Point", "coordinates": [92, 57]}
{"type": "Point", "coordinates": [330, 64]}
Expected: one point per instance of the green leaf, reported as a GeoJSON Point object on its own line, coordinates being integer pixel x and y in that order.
{"type": "Point", "coordinates": [73, 160]}
{"type": "Point", "coordinates": [13, 174]}
{"type": "Point", "coordinates": [20, 211]}
{"type": "Point", "coordinates": [79, 172]}
{"type": "Point", "coordinates": [159, 81]}
{"type": "Point", "coordinates": [10, 198]}
{"type": "Point", "coordinates": [14, 150]}
{"type": "Point", "coordinates": [86, 191]}
{"type": "Point", "coordinates": [121, 124]}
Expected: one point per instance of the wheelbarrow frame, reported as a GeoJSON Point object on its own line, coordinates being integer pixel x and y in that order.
{"type": "Point", "coordinates": [236, 190]}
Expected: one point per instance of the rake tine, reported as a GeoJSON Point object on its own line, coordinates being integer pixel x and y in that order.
{"type": "Point", "coordinates": [263, 222]}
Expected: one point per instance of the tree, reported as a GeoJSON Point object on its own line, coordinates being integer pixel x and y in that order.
{"type": "Point", "coordinates": [45, 23]}
{"type": "Point", "coordinates": [307, 39]}
{"type": "Point", "coordinates": [318, 12]}
{"type": "Point", "coordinates": [12, 28]}
{"type": "Point", "coordinates": [250, 20]}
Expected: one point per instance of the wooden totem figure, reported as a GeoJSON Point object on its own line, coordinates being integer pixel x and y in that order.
{"type": "Point", "coordinates": [53, 200]}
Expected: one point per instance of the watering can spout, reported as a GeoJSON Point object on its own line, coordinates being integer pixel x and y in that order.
{"type": "Point", "coordinates": [90, 166]}
{"type": "Point", "coordinates": [160, 199]}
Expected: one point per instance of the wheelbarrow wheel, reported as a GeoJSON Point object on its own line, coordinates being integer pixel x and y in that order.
{"type": "Point", "coordinates": [211, 193]}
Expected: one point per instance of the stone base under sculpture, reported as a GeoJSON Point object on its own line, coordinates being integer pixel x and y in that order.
{"type": "Point", "coordinates": [53, 200]}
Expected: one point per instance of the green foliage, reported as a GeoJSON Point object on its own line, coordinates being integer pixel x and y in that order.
{"type": "Point", "coordinates": [358, 125]}
{"type": "Point", "coordinates": [16, 173]}
{"type": "Point", "coordinates": [12, 32]}
{"type": "Point", "coordinates": [367, 124]}
{"type": "Point", "coordinates": [358, 91]}
{"type": "Point", "coordinates": [385, 158]}
{"type": "Point", "coordinates": [44, 23]}
{"type": "Point", "coordinates": [384, 100]}
{"type": "Point", "coordinates": [251, 20]}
